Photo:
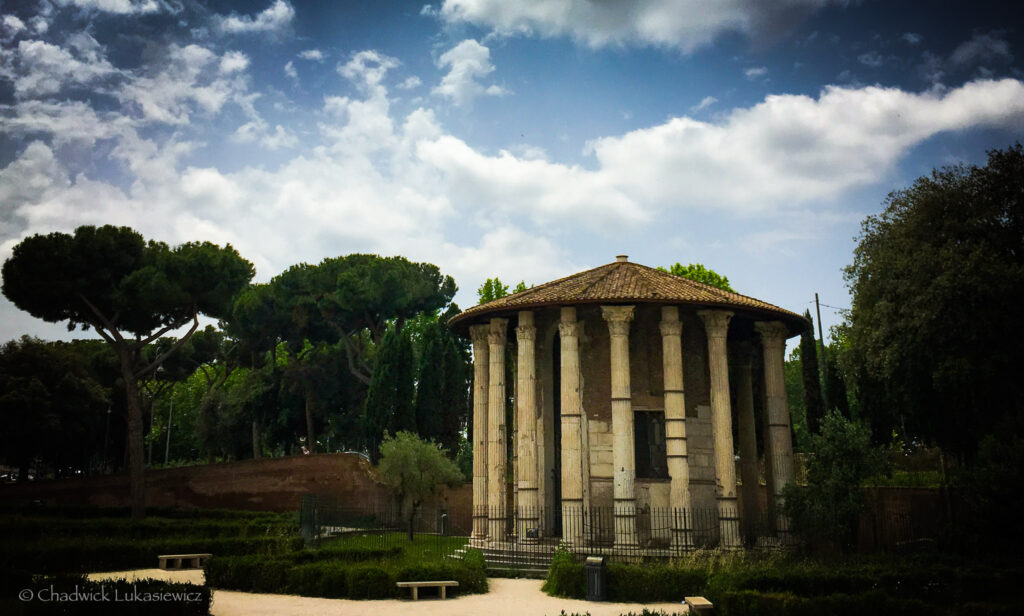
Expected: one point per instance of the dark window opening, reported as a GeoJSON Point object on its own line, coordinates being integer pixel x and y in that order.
{"type": "Point", "coordinates": [649, 437]}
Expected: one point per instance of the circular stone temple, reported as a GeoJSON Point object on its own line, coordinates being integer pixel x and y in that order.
{"type": "Point", "coordinates": [634, 392]}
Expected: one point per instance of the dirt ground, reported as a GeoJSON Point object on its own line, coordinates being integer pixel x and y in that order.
{"type": "Point", "coordinates": [506, 598]}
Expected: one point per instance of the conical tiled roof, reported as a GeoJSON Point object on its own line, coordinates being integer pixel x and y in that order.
{"type": "Point", "coordinates": [625, 282]}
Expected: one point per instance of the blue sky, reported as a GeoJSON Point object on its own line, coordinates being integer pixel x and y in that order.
{"type": "Point", "coordinates": [523, 140]}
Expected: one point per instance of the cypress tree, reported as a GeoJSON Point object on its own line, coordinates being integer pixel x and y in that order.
{"type": "Point", "coordinates": [812, 383]}
{"type": "Point", "coordinates": [429, 384]}
{"type": "Point", "coordinates": [389, 400]}
{"type": "Point", "coordinates": [454, 391]}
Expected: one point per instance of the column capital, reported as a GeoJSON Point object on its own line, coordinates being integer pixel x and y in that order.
{"type": "Point", "coordinates": [568, 326]}
{"type": "Point", "coordinates": [525, 330]}
{"type": "Point", "coordinates": [773, 333]}
{"type": "Point", "coordinates": [618, 318]}
{"type": "Point", "coordinates": [716, 322]}
{"type": "Point", "coordinates": [478, 333]}
{"type": "Point", "coordinates": [671, 328]}
{"type": "Point", "coordinates": [498, 332]}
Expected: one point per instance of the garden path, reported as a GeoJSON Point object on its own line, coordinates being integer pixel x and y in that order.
{"type": "Point", "coordinates": [507, 597]}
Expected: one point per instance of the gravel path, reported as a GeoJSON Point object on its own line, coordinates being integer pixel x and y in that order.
{"type": "Point", "coordinates": [506, 597]}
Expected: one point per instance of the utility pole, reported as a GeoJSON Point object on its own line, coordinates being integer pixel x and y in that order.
{"type": "Point", "coordinates": [824, 364]}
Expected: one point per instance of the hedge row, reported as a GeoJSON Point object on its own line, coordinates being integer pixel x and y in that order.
{"type": "Point", "coordinates": [907, 585]}
{"type": "Point", "coordinates": [86, 554]}
{"type": "Point", "coordinates": [753, 603]}
{"type": "Point", "coordinates": [334, 579]}
{"type": "Point", "coordinates": [76, 595]}
{"type": "Point", "coordinates": [25, 527]}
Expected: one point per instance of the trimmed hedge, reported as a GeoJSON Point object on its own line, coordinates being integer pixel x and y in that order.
{"type": "Point", "coordinates": [88, 554]}
{"type": "Point", "coordinates": [781, 587]}
{"type": "Point", "coordinates": [77, 595]}
{"type": "Point", "coordinates": [341, 579]}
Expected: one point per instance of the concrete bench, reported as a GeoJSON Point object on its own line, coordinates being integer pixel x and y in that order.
{"type": "Point", "coordinates": [699, 605]}
{"type": "Point", "coordinates": [416, 586]}
{"type": "Point", "coordinates": [183, 561]}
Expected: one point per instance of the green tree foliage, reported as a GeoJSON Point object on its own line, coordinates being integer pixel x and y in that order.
{"type": "Point", "coordinates": [131, 292]}
{"type": "Point", "coordinates": [389, 400]}
{"type": "Point", "coordinates": [935, 281]}
{"type": "Point", "coordinates": [491, 289]}
{"type": "Point", "coordinates": [442, 383]}
{"type": "Point", "coordinates": [993, 492]}
{"type": "Point", "coordinates": [813, 403]}
{"type": "Point", "coordinates": [794, 375]}
{"type": "Point", "coordinates": [699, 273]}
{"type": "Point", "coordinates": [825, 511]}
{"type": "Point", "coordinates": [51, 407]}
{"type": "Point", "coordinates": [414, 469]}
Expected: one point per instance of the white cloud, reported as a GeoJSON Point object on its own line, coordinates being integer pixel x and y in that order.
{"type": "Point", "coordinates": [312, 54]}
{"type": "Point", "coordinates": [466, 62]}
{"type": "Point", "coordinates": [410, 83]}
{"type": "Point", "coordinates": [682, 24]}
{"type": "Point", "coordinates": [65, 121]}
{"type": "Point", "coordinates": [872, 59]}
{"type": "Point", "coordinates": [12, 24]}
{"type": "Point", "coordinates": [233, 61]}
{"type": "Point", "coordinates": [793, 149]}
{"type": "Point", "coordinates": [912, 38]}
{"type": "Point", "coordinates": [119, 7]}
{"type": "Point", "coordinates": [704, 103]}
{"type": "Point", "coordinates": [981, 48]}
{"type": "Point", "coordinates": [46, 68]}
{"type": "Point", "coordinates": [755, 72]}
{"type": "Point", "coordinates": [189, 78]}
{"type": "Point", "coordinates": [289, 70]}
{"type": "Point", "coordinates": [273, 18]}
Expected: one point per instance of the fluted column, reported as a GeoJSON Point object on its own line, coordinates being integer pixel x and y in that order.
{"type": "Point", "coordinates": [773, 339]}
{"type": "Point", "coordinates": [481, 374]}
{"type": "Point", "coordinates": [747, 435]}
{"type": "Point", "coordinates": [623, 445]}
{"type": "Point", "coordinates": [526, 409]}
{"type": "Point", "coordinates": [496, 450]}
{"type": "Point", "coordinates": [675, 422]}
{"type": "Point", "coordinates": [571, 410]}
{"type": "Point", "coordinates": [716, 323]}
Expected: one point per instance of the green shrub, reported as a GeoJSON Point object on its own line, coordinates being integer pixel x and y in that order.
{"type": "Point", "coordinates": [653, 582]}
{"type": "Point", "coordinates": [369, 582]}
{"type": "Point", "coordinates": [752, 603]}
{"type": "Point", "coordinates": [566, 577]}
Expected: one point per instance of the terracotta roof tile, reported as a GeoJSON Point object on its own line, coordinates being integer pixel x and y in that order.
{"type": "Point", "coordinates": [621, 282]}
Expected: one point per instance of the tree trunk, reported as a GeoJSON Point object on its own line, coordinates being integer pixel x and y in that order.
{"type": "Point", "coordinates": [136, 454]}
{"type": "Point", "coordinates": [310, 441]}
{"type": "Point", "coordinates": [257, 440]}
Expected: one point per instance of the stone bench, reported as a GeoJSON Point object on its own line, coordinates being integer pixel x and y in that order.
{"type": "Point", "coordinates": [183, 561]}
{"type": "Point", "coordinates": [416, 586]}
{"type": "Point", "coordinates": [699, 605]}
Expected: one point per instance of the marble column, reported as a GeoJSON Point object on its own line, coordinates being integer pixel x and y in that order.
{"type": "Point", "coordinates": [528, 513]}
{"type": "Point", "coordinates": [716, 323]}
{"type": "Point", "coordinates": [773, 340]}
{"type": "Point", "coordinates": [481, 373]}
{"type": "Point", "coordinates": [623, 441]}
{"type": "Point", "coordinates": [675, 423]}
{"type": "Point", "coordinates": [571, 411]}
{"type": "Point", "coordinates": [496, 450]}
{"type": "Point", "coordinates": [747, 435]}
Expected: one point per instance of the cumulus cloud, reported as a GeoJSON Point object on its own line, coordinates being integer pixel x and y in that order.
{"type": "Point", "coordinates": [793, 149]}
{"type": "Point", "coordinates": [466, 63]}
{"type": "Point", "coordinates": [275, 17]}
{"type": "Point", "coordinates": [872, 59]}
{"type": "Point", "coordinates": [289, 70]}
{"type": "Point", "coordinates": [410, 82]}
{"type": "Point", "coordinates": [118, 7]}
{"type": "Point", "coordinates": [233, 61]}
{"type": "Point", "coordinates": [681, 24]}
{"type": "Point", "coordinates": [755, 72]}
{"type": "Point", "coordinates": [312, 54]}
{"type": "Point", "coordinates": [189, 78]}
{"type": "Point", "coordinates": [44, 68]}
{"type": "Point", "coordinates": [912, 38]}
{"type": "Point", "coordinates": [704, 103]}
{"type": "Point", "coordinates": [981, 48]}
{"type": "Point", "coordinates": [12, 25]}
